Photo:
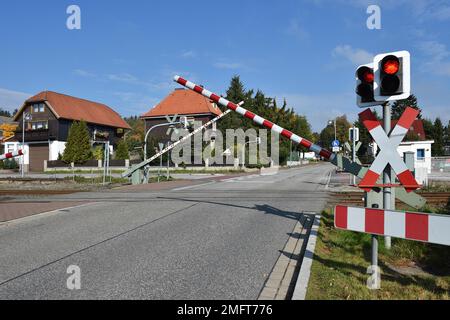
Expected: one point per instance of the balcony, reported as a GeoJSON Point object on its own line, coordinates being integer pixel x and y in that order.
{"type": "Point", "coordinates": [39, 134]}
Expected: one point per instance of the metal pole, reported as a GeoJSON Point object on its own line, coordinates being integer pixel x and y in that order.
{"type": "Point", "coordinates": [387, 170]}
{"type": "Point", "coordinates": [168, 162]}
{"type": "Point", "coordinates": [354, 152]}
{"type": "Point", "coordinates": [23, 144]}
{"type": "Point", "coordinates": [335, 131]}
{"type": "Point", "coordinates": [160, 167]}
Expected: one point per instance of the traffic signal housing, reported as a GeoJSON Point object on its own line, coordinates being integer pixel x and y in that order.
{"type": "Point", "coordinates": [365, 86]}
{"type": "Point", "coordinates": [392, 79]}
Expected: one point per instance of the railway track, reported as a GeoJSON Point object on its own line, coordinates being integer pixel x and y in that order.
{"type": "Point", "coordinates": [435, 198]}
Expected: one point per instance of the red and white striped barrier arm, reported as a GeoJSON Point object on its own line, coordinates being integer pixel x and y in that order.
{"type": "Point", "coordinates": [388, 146]}
{"type": "Point", "coordinates": [415, 226]}
{"type": "Point", "coordinates": [11, 155]}
{"type": "Point", "coordinates": [257, 119]}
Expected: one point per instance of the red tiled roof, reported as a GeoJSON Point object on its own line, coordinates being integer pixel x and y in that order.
{"type": "Point", "coordinates": [68, 107]}
{"type": "Point", "coordinates": [417, 128]}
{"type": "Point", "coordinates": [183, 102]}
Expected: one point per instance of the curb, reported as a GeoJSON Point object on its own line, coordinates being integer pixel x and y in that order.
{"type": "Point", "coordinates": [305, 271]}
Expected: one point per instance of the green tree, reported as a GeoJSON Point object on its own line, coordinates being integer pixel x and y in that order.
{"type": "Point", "coordinates": [98, 153]}
{"type": "Point", "coordinates": [399, 107]}
{"type": "Point", "coordinates": [437, 149]}
{"type": "Point", "coordinates": [78, 146]}
{"type": "Point", "coordinates": [342, 128]}
{"type": "Point", "coordinates": [122, 151]}
{"type": "Point", "coordinates": [5, 113]}
{"type": "Point", "coordinates": [428, 127]}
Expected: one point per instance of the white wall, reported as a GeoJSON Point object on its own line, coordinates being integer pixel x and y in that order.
{"type": "Point", "coordinates": [15, 146]}
{"type": "Point", "coordinates": [55, 148]}
{"type": "Point", "coordinates": [413, 146]}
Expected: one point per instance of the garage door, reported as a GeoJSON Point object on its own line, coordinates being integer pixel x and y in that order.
{"type": "Point", "coordinates": [38, 153]}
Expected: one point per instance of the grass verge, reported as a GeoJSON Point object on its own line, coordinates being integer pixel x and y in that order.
{"type": "Point", "coordinates": [411, 270]}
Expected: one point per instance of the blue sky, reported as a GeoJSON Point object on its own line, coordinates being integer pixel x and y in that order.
{"type": "Point", "coordinates": [127, 52]}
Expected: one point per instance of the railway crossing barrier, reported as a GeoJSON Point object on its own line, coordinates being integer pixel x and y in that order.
{"type": "Point", "coordinates": [338, 160]}
{"type": "Point", "coordinates": [137, 172]}
{"type": "Point", "coordinates": [424, 227]}
{"type": "Point", "coordinates": [11, 155]}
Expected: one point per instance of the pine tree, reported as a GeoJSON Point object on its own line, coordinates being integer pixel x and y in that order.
{"type": "Point", "coordinates": [428, 127]}
{"type": "Point", "coordinates": [437, 149]}
{"type": "Point", "coordinates": [399, 107]}
{"type": "Point", "coordinates": [78, 146]}
{"type": "Point", "coordinates": [122, 151]}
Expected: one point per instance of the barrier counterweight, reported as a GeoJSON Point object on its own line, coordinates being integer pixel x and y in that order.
{"type": "Point", "coordinates": [257, 119]}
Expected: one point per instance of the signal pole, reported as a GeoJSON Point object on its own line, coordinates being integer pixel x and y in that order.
{"type": "Point", "coordinates": [387, 170]}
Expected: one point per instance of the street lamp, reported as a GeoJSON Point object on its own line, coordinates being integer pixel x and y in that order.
{"type": "Point", "coordinates": [183, 122]}
{"type": "Point", "coordinates": [333, 122]}
{"type": "Point", "coordinates": [28, 117]}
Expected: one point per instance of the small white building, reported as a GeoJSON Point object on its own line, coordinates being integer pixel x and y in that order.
{"type": "Point", "coordinates": [420, 147]}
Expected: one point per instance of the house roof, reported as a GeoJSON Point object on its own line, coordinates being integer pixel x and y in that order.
{"type": "Point", "coordinates": [416, 128]}
{"type": "Point", "coordinates": [6, 120]}
{"type": "Point", "coordinates": [183, 102]}
{"type": "Point", "coordinates": [72, 108]}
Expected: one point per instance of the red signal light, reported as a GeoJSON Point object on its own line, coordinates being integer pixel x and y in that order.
{"type": "Point", "coordinates": [391, 66]}
{"type": "Point", "coordinates": [368, 76]}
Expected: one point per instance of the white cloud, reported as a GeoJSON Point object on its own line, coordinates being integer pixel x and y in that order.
{"type": "Point", "coordinates": [84, 73]}
{"type": "Point", "coordinates": [438, 55]}
{"type": "Point", "coordinates": [11, 100]}
{"type": "Point", "coordinates": [296, 30]}
{"type": "Point", "coordinates": [355, 56]}
{"type": "Point", "coordinates": [123, 77]}
{"type": "Point", "coordinates": [228, 65]}
{"type": "Point", "coordinates": [189, 54]}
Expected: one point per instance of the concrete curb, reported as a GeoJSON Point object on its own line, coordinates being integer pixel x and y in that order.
{"type": "Point", "coordinates": [305, 271]}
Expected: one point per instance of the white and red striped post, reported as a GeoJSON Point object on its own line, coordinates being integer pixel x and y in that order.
{"type": "Point", "coordinates": [424, 227]}
{"type": "Point", "coordinates": [11, 155]}
{"type": "Point", "coordinates": [257, 119]}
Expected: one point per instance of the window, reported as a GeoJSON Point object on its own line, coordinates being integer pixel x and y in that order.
{"type": "Point", "coordinates": [9, 148]}
{"type": "Point", "coordinates": [38, 108]}
{"type": "Point", "coordinates": [420, 154]}
{"type": "Point", "coordinates": [39, 125]}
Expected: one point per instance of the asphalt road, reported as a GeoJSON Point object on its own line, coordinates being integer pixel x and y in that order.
{"type": "Point", "coordinates": [213, 241]}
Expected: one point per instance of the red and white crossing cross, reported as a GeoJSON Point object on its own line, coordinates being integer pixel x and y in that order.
{"type": "Point", "coordinates": [388, 153]}
{"type": "Point", "coordinates": [432, 228]}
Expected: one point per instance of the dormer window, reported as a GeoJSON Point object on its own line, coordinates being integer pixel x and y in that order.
{"type": "Point", "coordinates": [38, 107]}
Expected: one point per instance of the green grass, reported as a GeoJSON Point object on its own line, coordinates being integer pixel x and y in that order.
{"type": "Point", "coordinates": [341, 260]}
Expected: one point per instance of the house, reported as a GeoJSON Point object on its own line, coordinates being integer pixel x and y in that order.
{"type": "Point", "coordinates": [49, 117]}
{"type": "Point", "coordinates": [417, 143]}
{"type": "Point", "coordinates": [183, 103]}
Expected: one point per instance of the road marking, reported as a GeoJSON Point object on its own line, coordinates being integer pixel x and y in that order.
{"type": "Point", "coordinates": [329, 180]}
{"type": "Point", "coordinates": [192, 187]}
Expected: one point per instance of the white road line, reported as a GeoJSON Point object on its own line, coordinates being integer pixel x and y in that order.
{"type": "Point", "coordinates": [192, 187]}
{"type": "Point", "coordinates": [329, 179]}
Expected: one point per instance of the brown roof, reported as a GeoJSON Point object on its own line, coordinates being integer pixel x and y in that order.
{"type": "Point", "coordinates": [183, 102]}
{"type": "Point", "coordinates": [416, 128]}
{"type": "Point", "coordinates": [68, 107]}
